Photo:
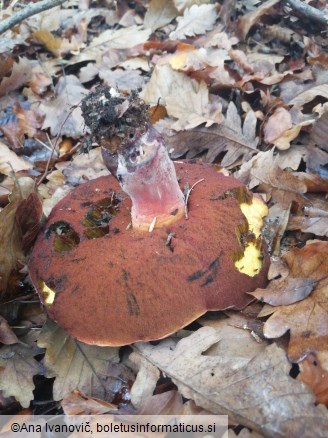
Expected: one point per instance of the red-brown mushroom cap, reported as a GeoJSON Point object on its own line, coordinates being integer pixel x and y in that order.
{"type": "Point", "coordinates": [106, 283]}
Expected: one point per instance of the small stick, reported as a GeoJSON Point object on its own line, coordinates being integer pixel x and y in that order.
{"type": "Point", "coordinates": [308, 11]}
{"type": "Point", "coordinates": [188, 194]}
{"type": "Point", "coordinates": [28, 11]}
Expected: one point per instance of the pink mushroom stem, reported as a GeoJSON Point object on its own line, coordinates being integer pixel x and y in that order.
{"type": "Point", "coordinates": [147, 174]}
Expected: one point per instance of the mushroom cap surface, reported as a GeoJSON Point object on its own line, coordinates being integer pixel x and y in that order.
{"type": "Point", "coordinates": [108, 284]}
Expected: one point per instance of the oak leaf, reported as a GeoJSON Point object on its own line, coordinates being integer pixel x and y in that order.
{"type": "Point", "coordinates": [21, 74]}
{"type": "Point", "coordinates": [307, 320]}
{"type": "Point", "coordinates": [17, 369]}
{"type": "Point", "coordinates": [74, 364]}
{"type": "Point", "coordinates": [9, 161]}
{"type": "Point", "coordinates": [62, 114]}
{"type": "Point", "coordinates": [184, 98]}
{"type": "Point", "coordinates": [283, 408]}
{"type": "Point", "coordinates": [239, 141]}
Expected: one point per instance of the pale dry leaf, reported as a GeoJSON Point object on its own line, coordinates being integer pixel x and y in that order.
{"type": "Point", "coordinates": [195, 21]}
{"type": "Point", "coordinates": [185, 99]}
{"type": "Point", "coordinates": [126, 80]}
{"type": "Point", "coordinates": [277, 124]}
{"type": "Point", "coordinates": [124, 38]}
{"type": "Point", "coordinates": [10, 161]}
{"type": "Point", "coordinates": [248, 20]}
{"type": "Point", "coordinates": [236, 345]}
{"type": "Point", "coordinates": [74, 364]}
{"type": "Point", "coordinates": [62, 114]}
{"type": "Point", "coordinates": [239, 141]}
{"type": "Point", "coordinates": [307, 320]}
{"type": "Point", "coordinates": [21, 74]}
{"type": "Point", "coordinates": [84, 167]}
{"type": "Point", "coordinates": [181, 5]}
{"type": "Point", "coordinates": [283, 409]}
{"type": "Point", "coordinates": [7, 336]}
{"type": "Point", "coordinates": [283, 186]}
{"type": "Point", "coordinates": [309, 95]}
{"type": "Point", "coordinates": [17, 369]}
{"type": "Point", "coordinates": [160, 13]}
{"type": "Point", "coordinates": [145, 383]}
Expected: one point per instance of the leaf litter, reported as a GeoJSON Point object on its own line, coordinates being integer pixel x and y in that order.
{"type": "Point", "coordinates": [245, 91]}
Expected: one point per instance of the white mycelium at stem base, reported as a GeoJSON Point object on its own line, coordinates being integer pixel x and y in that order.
{"type": "Point", "coordinates": [148, 176]}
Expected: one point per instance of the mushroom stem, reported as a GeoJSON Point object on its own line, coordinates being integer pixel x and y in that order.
{"type": "Point", "coordinates": [147, 174]}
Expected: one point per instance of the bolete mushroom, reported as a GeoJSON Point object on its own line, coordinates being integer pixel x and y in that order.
{"type": "Point", "coordinates": [195, 242]}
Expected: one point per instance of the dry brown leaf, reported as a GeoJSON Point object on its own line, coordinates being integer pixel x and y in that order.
{"type": "Point", "coordinates": [84, 167]}
{"type": "Point", "coordinates": [312, 373]}
{"type": "Point", "coordinates": [239, 141]}
{"type": "Point", "coordinates": [282, 408]}
{"type": "Point", "coordinates": [17, 369]}
{"type": "Point", "coordinates": [12, 257]}
{"type": "Point", "coordinates": [7, 336]}
{"type": "Point", "coordinates": [28, 219]}
{"type": "Point", "coordinates": [264, 171]}
{"type": "Point", "coordinates": [195, 21]}
{"type": "Point", "coordinates": [319, 133]}
{"type": "Point", "coordinates": [309, 95]}
{"type": "Point", "coordinates": [166, 403]}
{"type": "Point", "coordinates": [185, 99]}
{"type": "Point", "coordinates": [312, 219]}
{"type": "Point", "coordinates": [62, 114]}
{"type": "Point", "coordinates": [277, 125]}
{"type": "Point", "coordinates": [160, 13]}
{"type": "Point", "coordinates": [247, 21]}
{"type": "Point", "coordinates": [74, 364]}
{"type": "Point", "coordinates": [78, 403]}
{"type": "Point", "coordinates": [9, 161]}
{"type": "Point", "coordinates": [21, 74]}
{"type": "Point", "coordinates": [28, 120]}
{"type": "Point", "coordinates": [146, 379]}
{"type": "Point", "coordinates": [40, 83]}
{"type": "Point", "coordinates": [286, 291]}
{"type": "Point", "coordinates": [307, 320]}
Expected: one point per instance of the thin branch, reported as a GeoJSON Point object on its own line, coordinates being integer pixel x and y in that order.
{"type": "Point", "coordinates": [308, 11]}
{"type": "Point", "coordinates": [28, 11]}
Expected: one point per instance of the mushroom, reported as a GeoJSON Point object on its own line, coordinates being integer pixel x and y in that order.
{"type": "Point", "coordinates": [195, 242]}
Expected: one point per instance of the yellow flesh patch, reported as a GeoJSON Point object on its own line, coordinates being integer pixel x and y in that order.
{"type": "Point", "coordinates": [48, 294]}
{"type": "Point", "coordinates": [251, 262]}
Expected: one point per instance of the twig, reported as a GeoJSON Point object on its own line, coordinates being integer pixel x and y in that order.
{"type": "Point", "coordinates": [188, 194]}
{"type": "Point", "coordinates": [28, 11]}
{"type": "Point", "coordinates": [308, 11]}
